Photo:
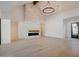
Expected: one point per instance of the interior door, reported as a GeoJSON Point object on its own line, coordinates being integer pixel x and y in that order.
{"type": "Point", "coordinates": [74, 30]}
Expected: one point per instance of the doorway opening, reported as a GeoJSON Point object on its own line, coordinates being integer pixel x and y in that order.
{"type": "Point", "coordinates": [75, 30]}
{"type": "Point", "coordinates": [72, 27]}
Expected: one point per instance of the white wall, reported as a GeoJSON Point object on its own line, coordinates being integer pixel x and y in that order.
{"type": "Point", "coordinates": [17, 14]}
{"type": "Point", "coordinates": [0, 14]}
{"type": "Point", "coordinates": [54, 25]}
{"type": "Point", "coordinates": [21, 29]}
{"type": "Point", "coordinates": [5, 31]}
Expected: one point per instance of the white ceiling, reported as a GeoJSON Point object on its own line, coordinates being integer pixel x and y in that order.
{"type": "Point", "coordinates": [59, 5]}
{"type": "Point", "coordinates": [9, 5]}
{"type": "Point", "coordinates": [66, 5]}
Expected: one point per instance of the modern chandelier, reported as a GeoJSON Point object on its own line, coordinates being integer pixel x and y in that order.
{"type": "Point", "coordinates": [47, 9]}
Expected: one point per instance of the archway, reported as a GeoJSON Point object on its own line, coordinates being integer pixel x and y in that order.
{"type": "Point", "coordinates": [67, 23]}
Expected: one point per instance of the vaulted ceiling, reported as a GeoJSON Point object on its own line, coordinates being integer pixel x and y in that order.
{"type": "Point", "coordinates": [59, 5]}
{"type": "Point", "coordinates": [9, 5]}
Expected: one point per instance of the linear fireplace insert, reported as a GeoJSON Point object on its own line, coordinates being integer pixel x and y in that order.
{"type": "Point", "coordinates": [33, 32]}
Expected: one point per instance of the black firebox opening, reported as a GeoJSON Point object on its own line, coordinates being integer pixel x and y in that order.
{"type": "Point", "coordinates": [33, 34]}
